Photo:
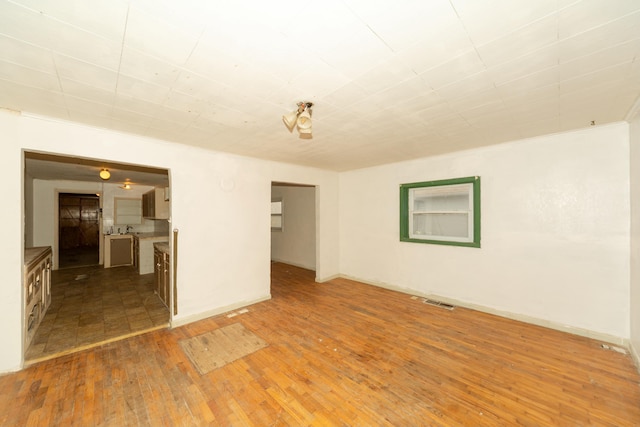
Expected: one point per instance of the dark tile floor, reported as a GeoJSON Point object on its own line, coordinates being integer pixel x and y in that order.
{"type": "Point", "coordinates": [78, 257]}
{"type": "Point", "coordinates": [92, 305]}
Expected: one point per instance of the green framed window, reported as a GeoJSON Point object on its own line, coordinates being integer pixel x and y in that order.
{"type": "Point", "coordinates": [445, 212]}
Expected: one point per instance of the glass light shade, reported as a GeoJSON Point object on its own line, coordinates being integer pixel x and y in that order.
{"type": "Point", "coordinates": [304, 120]}
{"type": "Point", "coordinates": [105, 174]}
{"type": "Point", "coordinates": [290, 120]}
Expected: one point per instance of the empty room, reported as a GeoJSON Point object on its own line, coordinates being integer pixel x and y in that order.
{"type": "Point", "coordinates": [349, 213]}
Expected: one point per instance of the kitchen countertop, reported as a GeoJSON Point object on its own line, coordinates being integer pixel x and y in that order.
{"type": "Point", "coordinates": [31, 254]}
{"type": "Point", "coordinates": [162, 247]}
{"type": "Point", "coordinates": [152, 235]}
{"type": "Point", "coordinates": [148, 235]}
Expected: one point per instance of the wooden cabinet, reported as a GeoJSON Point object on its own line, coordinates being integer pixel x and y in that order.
{"type": "Point", "coordinates": [136, 253]}
{"type": "Point", "coordinates": [162, 274]}
{"type": "Point", "coordinates": [118, 250]}
{"type": "Point", "coordinates": [37, 289]}
{"type": "Point", "coordinates": [143, 251]}
{"type": "Point", "coordinates": [155, 205]}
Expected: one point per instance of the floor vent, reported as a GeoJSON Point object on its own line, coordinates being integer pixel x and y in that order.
{"type": "Point", "coordinates": [438, 304]}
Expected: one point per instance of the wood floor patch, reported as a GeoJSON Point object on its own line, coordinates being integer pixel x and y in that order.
{"type": "Point", "coordinates": [215, 349]}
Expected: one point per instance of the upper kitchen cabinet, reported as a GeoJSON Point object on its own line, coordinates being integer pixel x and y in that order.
{"type": "Point", "coordinates": [155, 204]}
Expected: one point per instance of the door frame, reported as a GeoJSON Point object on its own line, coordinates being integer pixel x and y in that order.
{"type": "Point", "coordinates": [56, 224]}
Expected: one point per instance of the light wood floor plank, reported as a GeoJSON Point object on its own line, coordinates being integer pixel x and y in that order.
{"type": "Point", "coordinates": [338, 353]}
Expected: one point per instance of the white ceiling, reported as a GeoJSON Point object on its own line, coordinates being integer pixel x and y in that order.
{"type": "Point", "coordinates": [390, 80]}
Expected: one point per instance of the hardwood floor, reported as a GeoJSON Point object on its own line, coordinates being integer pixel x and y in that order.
{"type": "Point", "coordinates": [338, 353]}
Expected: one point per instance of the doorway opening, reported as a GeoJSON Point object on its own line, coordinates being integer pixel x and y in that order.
{"type": "Point", "coordinates": [72, 209]}
{"type": "Point", "coordinates": [78, 230]}
{"type": "Point", "coordinates": [293, 224]}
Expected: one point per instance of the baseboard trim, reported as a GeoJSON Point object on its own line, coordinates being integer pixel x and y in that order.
{"type": "Point", "coordinates": [635, 356]}
{"type": "Point", "coordinates": [612, 339]}
{"type": "Point", "coordinates": [326, 279]}
{"type": "Point", "coordinates": [295, 264]}
{"type": "Point", "coordinates": [181, 321]}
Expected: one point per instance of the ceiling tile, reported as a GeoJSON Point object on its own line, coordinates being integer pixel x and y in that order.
{"type": "Point", "coordinates": [106, 18]}
{"type": "Point", "coordinates": [27, 55]}
{"type": "Point", "coordinates": [621, 53]}
{"type": "Point", "coordinates": [33, 100]}
{"type": "Point", "coordinates": [610, 34]}
{"type": "Point", "coordinates": [195, 85]}
{"type": "Point", "coordinates": [140, 89]}
{"type": "Point", "coordinates": [532, 82]}
{"type": "Point", "coordinates": [477, 83]}
{"type": "Point", "coordinates": [28, 77]}
{"type": "Point", "coordinates": [371, 52]}
{"type": "Point", "coordinates": [126, 102]}
{"type": "Point", "coordinates": [524, 41]}
{"type": "Point", "coordinates": [487, 20]}
{"type": "Point", "coordinates": [403, 22]}
{"type": "Point", "coordinates": [144, 67]}
{"type": "Point", "coordinates": [475, 98]}
{"type": "Point", "coordinates": [158, 38]}
{"type": "Point", "coordinates": [403, 91]}
{"type": "Point", "coordinates": [522, 66]}
{"type": "Point", "coordinates": [457, 69]}
{"type": "Point", "coordinates": [442, 48]}
{"type": "Point", "coordinates": [346, 95]}
{"type": "Point", "coordinates": [24, 24]}
{"type": "Point", "coordinates": [84, 91]}
{"type": "Point", "coordinates": [585, 15]}
{"type": "Point", "coordinates": [103, 111]}
{"type": "Point", "coordinates": [83, 72]}
{"type": "Point", "coordinates": [615, 74]}
{"type": "Point", "coordinates": [385, 75]}
{"type": "Point", "coordinates": [322, 25]}
{"type": "Point", "coordinates": [319, 78]}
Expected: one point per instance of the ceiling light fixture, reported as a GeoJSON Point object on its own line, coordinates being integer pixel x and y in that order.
{"type": "Point", "coordinates": [126, 186]}
{"type": "Point", "coordinates": [105, 174]}
{"type": "Point", "coordinates": [300, 117]}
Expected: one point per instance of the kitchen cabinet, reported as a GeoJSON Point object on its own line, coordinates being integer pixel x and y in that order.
{"type": "Point", "coordinates": [162, 269]}
{"type": "Point", "coordinates": [118, 250]}
{"type": "Point", "coordinates": [136, 253]}
{"type": "Point", "coordinates": [37, 289]}
{"type": "Point", "coordinates": [143, 250]}
{"type": "Point", "coordinates": [155, 205]}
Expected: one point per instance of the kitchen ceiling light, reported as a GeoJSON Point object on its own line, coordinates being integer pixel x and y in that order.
{"type": "Point", "coordinates": [105, 174]}
{"type": "Point", "coordinates": [300, 118]}
{"type": "Point", "coordinates": [126, 186]}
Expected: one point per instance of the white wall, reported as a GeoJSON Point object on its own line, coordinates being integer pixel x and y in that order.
{"type": "Point", "coordinates": [555, 231]}
{"type": "Point", "coordinates": [296, 243]}
{"type": "Point", "coordinates": [634, 136]}
{"type": "Point", "coordinates": [220, 204]}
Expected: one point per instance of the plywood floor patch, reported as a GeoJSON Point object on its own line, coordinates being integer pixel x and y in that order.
{"type": "Point", "coordinates": [215, 349]}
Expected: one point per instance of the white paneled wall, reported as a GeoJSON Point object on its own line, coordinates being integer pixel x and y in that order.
{"type": "Point", "coordinates": [555, 230]}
